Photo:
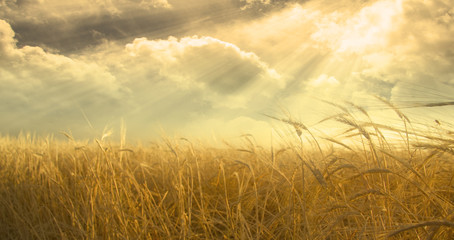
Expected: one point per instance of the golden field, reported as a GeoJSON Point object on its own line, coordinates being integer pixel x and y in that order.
{"type": "Point", "coordinates": [308, 188]}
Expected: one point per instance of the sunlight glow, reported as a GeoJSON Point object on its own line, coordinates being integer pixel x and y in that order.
{"type": "Point", "coordinates": [175, 65]}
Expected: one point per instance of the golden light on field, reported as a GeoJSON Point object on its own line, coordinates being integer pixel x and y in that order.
{"type": "Point", "coordinates": [205, 68]}
{"type": "Point", "coordinates": [226, 119]}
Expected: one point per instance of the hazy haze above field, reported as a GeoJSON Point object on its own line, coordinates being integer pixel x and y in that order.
{"type": "Point", "coordinates": [204, 67]}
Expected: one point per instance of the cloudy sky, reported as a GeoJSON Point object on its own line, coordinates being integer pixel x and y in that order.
{"type": "Point", "coordinates": [215, 67]}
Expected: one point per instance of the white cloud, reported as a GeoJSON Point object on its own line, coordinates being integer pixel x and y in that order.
{"type": "Point", "coordinates": [7, 41]}
{"type": "Point", "coordinates": [324, 81]}
{"type": "Point", "coordinates": [156, 3]}
{"type": "Point", "coordinates": [250, 3]}
{"type": "Point", "coordinates": [220, 69]}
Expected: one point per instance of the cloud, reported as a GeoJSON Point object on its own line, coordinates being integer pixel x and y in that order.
{"type": "Point", "coordinates": [403, 50]}
{"type": "Point", "coordinates": [250, 3]}
{"type": "Point", "coordinates": [399, 40]}
{"type": "Point", "coordinates": [157, 83]}
{"type": "Point", "coordinates": [71, 26]}
{"type": "Point", "coordinates": [156, 3]}
{"type": "Point", "coordinates": [266, 6]}
{"type": "Point", "coordinates": [207, 64]}
{"type": "Point", "coordinates": [416, 54]}
{"type": "Point", "coordinates": [7, 42]}
{"type": "Point", "coordinates": [177, 83]}
{"type": "Point", "coordinates": [383, 40]}
{"type": "Point", "coordinates": [38, 88]}
{"type": "Point", "coordinates": [44, 10]}
{"type": "Point", "coordinates": [365, 30]}
{"type": "Point", "coordinates": [323, 81]}
{"type": "Point", "coordinates": [371, 48]}
{"type": "Point", "coordinates": [317, 49]}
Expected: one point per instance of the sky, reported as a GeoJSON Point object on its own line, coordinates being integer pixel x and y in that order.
{"type": "Point", "coordinates": [216, 68]}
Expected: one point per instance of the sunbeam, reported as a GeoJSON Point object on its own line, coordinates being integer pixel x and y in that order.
{"type": "Point", "coordinates": [176, 64]}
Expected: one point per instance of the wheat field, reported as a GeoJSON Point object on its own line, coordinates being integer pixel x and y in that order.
{"type": "Point", "coordinates": [311, 187]}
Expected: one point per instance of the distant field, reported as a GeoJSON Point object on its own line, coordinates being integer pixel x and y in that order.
{"type": "Point", "coordinates": [376, 189]}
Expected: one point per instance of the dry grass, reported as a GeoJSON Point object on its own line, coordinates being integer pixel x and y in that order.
{"type": "Point", "coordinates": [372, 190]}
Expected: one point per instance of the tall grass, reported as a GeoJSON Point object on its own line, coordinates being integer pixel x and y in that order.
{"type": "Point", "coordinates": [358, 185]}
